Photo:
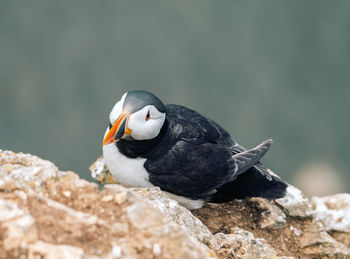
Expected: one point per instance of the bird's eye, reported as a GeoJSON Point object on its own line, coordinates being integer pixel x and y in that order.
{"type": "Point", "coordinates": [148, 116]}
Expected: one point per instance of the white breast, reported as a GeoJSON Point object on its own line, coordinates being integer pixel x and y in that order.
{"type": "Point", "coordinates": [129, 172]}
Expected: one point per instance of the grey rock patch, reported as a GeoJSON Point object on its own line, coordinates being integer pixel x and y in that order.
{"type": "Point", "coordinates": [242, 244]}
{"type": "Point", "coordinates": [295, 204]}
{"type": "Point", "coordinates": [333, 211]}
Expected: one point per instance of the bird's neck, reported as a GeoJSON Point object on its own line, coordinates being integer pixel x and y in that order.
{"type": "Point", "coordinates": [140, 148]}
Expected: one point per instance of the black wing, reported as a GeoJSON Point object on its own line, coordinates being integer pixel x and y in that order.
{"type": "Point", "coordinates": [237, 149]}
{"type": "Point", "coordinates": [199, 158]}
{"type": "Point", "coordinates": [192, 169]}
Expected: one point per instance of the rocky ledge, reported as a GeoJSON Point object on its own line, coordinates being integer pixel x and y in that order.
{"type": "Point", "coordinates": [48, 213]}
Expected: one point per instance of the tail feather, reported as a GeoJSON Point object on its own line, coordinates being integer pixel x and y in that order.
{"type": "Point", "coordinates": [250, 184]}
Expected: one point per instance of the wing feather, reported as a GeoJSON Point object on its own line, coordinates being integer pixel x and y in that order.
{"type": "Point", "coordinates": [250, 158]}
{"type": "Point", "coordinates": [192, 169]}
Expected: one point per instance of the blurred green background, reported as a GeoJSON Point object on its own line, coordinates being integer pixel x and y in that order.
{"type": "Point", "coordinates": [261, 69]}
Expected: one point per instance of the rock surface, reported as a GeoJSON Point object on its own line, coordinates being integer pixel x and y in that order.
{"type": "Point", "coordinates": [333, 212]}
{"type": "Point", "coordinates": [47, 213]}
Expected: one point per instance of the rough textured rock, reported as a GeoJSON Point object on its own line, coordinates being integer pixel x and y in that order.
{"type": "Point", "coordinates": [179, 214]}
{"type": "Point", "coordinates": [334, 214]}
{"type": "Point", "coordinates": [317, 242]}
{"type": "Point", "coordinates": [242, 244]}
{"type": "Point", "coordinates": [333, 211]}
{"type": "Point", "coordinates": [48, 213]}
{"type": "Point", "coordinates": [254, 228]}
{"type": "Point", "coordinates": [272, 217]}
{"type": "Point", "coordinates": [100, 172]}
{"type": "Point", "coordinates": [295, 204]}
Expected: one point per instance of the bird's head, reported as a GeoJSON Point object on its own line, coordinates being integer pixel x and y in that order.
{"type": "Point", "coordinates": [139, 115]}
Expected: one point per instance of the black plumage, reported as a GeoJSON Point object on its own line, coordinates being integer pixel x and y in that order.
{"type": "Point", "coordinates": [194, 157]}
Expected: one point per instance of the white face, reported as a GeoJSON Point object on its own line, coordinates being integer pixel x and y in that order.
{"type": "Point", "coordinates": [144, 124]}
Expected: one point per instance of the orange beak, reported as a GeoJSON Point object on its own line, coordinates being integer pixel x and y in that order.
{"type": "Point", "coordinates": [118, 130]}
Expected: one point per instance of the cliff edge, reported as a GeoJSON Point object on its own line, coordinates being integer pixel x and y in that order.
{"type": "Point", "coordinates": [48, 213]}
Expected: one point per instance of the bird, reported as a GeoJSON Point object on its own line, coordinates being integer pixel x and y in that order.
{"type": "Point", "coordinates": [188, 156]}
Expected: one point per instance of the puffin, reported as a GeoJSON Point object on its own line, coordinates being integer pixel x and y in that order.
{"type": "Point", "coordinates": [188, 156]}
